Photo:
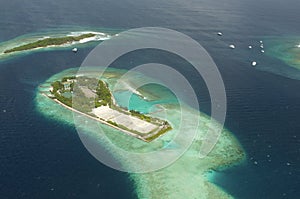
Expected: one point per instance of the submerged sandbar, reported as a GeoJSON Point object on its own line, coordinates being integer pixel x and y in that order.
{"type": "Point", "coordinates": [287, 50]}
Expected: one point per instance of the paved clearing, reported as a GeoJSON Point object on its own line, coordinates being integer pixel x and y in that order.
{"type": "Point", "coordinates": [129, 121]}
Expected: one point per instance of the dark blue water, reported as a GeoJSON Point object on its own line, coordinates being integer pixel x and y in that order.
{"type": "Point", "coordinates": [41, 158]}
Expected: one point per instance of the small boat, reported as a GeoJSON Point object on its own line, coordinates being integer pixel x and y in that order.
{"type": "Point", "coordinates": [261, 41]}
{"type": "Point", "coordinates": [232, 46]}
{"type": "Point", "coordinates": [74, 50]}
{"type": "Point", "coordinates": [220, 34]}
{"type": "Point", "coordinates": [250, 47]}
{"type": "Point", "coordinates": [298, 46]}
{"type": "Point", "coordinates": [261, 46]}
{"type": "Point", "coordinates": [262, 51]}
{"type": "Point", "coordinates": [254, 63]}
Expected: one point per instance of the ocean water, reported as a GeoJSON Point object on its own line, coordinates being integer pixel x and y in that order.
{"type": "Point", "coordinates": [42, 158]}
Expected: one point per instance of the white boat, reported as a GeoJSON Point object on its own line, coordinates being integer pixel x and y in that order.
{"type": "Point", "coordinates": [250, 47]}
{"type": "Point", "coordinates": [74, 50]}
{"type": "Point", "coordinates": [261, 41]}
{"type": "Point", "coordinates": [298, 46]}
{"type": "Point", "coordinates": [262, 51]}
{"type": "Point", "coordinates": [220, 34]}
{"type": "Point", "coordinates": [232, 46]}
{"type": "Point", "coordinates": [254, 63]}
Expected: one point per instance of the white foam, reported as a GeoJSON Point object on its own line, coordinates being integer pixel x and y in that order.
{"type": "Point", "coordinates": [95, 38]}
{"type": "Point", "coordinates": [85, 40]}
{"type": "Point", "coordinates": [86, 32]}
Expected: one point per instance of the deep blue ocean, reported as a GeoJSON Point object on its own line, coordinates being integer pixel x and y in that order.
{"type": "Point", "coordinates": [42, 158]}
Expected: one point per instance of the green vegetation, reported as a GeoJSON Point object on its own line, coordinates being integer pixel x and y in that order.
{"type": "Point", "coordinates": [91, 93]}
{"type": "Point", "coordinates": [64, 100]}
{"type": "Point", "coordinates": [63, 88]}
{"type": "Point", "coordinates": [58, 89]}
{"type": "Point", "coordinates": [103, 95]}
{"type": "Point", "coordinates": [57, 86]}
{"type": "Point", "coordinates": [113, 123]}
{"type": "Point", "coordinates": [50, 41]}
{"type": "Point", "coordinates": [140, 115]}
{"type": "Point", "coordinates": [161, 132]}
{"type": "Point", "coordinates": [65, 79]}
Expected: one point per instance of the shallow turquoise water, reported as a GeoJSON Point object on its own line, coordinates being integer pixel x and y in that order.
{"type": "Point", "coordinates": [133, 101]}
{"type": "Point", "coordinates": [285, 53]}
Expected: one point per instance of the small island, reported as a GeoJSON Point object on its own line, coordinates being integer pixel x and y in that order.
{"type": "Point", "coordinates": [98, 103]}
{"type": "Point", "coordinates": [196, 175]}
{"type": "Point", "coordinates": [60, 39]}
{"type": "Point", "coordinates": [57, 41]}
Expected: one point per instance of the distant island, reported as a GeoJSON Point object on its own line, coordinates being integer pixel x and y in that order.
{"type": "Point", "coordinates": [63, 39]}
{"type": "Point", "coordinates": [50, 42]}
{"type": "Point", "coordinates": [98, 103]}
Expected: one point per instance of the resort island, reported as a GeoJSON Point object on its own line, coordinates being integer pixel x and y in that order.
{"type": "Point", "coordinates": [97, 102]}
{"type": "Point", "coordinates": [188, 176]}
